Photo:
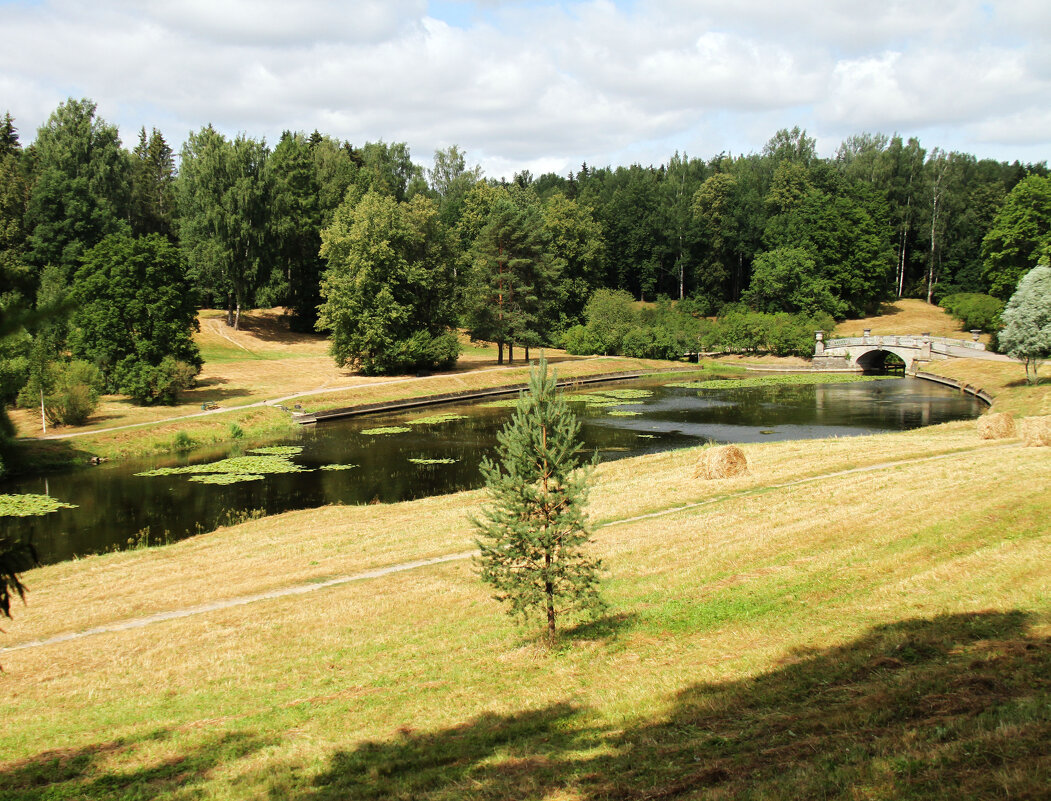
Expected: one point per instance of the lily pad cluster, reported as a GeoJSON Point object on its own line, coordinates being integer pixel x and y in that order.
{"type": "Point", "coordinates": [791, 379]}
{"type": "Point", "coordinates": [375, 432]}
{"type": "Point", "coordinates": [30, 505]}
{"type": "Point", "coordinates": [337, 467]}
{"type": "Point", "coordinates": [237, 469]}
{"type": "Point", "coordinates": [435, 419]}
{"type": "Point", "coordinates": [434, 461]}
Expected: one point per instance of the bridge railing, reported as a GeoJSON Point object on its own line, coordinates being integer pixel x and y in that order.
{"type": "Point", "coordinates": [910, 341]}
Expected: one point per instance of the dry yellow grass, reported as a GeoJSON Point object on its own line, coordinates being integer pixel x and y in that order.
{"type": "Point", "coordinates": [907, 316]}
{"type": "Point", "coordinates": [1036, 431]}
{"type": "Point", "coordinates": [718, 593]}
{"type": "Point", "coordinates": [1005, 381]}
{"type": "Point", "coordinates": [997, 425]}
{"type": "Point", "coordinates": [725, 461]}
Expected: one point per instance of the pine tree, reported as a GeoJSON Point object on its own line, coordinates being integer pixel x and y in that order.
{"type": "Point", "coordinates": [533, 532]}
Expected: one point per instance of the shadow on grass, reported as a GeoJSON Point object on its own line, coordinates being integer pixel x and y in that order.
{"type": "Point", "coordinates": [952, 707]}
{"type": "Point", "coordinates": [100, 771]}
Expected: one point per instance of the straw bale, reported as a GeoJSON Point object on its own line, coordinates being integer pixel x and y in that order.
{"type": "Point", "coordinates": [722, 462]}
{"type": "Point", "coordinates": [997, 426]}
{"type": "Point", "coordinates": [1036, 431]}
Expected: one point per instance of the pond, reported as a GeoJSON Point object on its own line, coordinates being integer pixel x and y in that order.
{"type": "Point", "coordinates": [437, 450]}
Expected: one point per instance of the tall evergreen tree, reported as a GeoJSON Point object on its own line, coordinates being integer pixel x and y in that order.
{"type": "Point", "coordinates": [82, 188]}
{"type": "Point", "coordinates": [511, 279]}
{"type": "Point", "coordinates": [533, 533]}
{"type": "Point", "coordinates": [152, 185]}
{"type": "Point", "coordinates": [295, 219]}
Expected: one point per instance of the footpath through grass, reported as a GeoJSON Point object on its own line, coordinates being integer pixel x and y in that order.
{"type": "Point", "coordinates": [874, 634]}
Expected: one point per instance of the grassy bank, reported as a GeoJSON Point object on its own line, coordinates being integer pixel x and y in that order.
{"type": "Point", "coordinates": [855, 618]}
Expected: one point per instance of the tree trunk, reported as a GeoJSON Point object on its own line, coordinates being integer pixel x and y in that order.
{"type": "Point", "coordinates": [229, 310]}
{"type": "Point", "coordinates": [499, 352]}
{"type": "Point", "coordinates": [527, 353]}
{"type": "Point", "coordinates": [237, 317]}
{"type": "Point", "coordinates": [510, 352]}
{"type": "Point", "coordinates": [549, 590]}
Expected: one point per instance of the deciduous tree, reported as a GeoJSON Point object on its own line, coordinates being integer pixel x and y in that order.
{"type": "Point", "coordinates": [1027, 320]}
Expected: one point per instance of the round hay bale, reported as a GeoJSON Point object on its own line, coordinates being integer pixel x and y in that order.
{"type": "Point", "coordinates": [725, 461]}
{"type": "Point", "coordinates": [997, 426]}
{"type": "Point", "coordinates": [1036, 431]}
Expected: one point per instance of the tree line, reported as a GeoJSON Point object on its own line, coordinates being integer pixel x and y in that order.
{"type": "Point", "coordinates": [392, 258]}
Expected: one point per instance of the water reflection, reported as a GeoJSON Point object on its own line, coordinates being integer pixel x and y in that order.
{"type": "Point", "coordinates": [117, 509]}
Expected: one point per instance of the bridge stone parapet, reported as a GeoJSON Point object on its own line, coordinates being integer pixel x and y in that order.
{"type": "Point", "coordinates": [870, 351]}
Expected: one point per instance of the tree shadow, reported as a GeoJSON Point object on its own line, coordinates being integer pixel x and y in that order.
{"type": "Point", "coordinates": [951, 707]}
{"type": "Point", "coordinates": [32, 456]}
{"type": "Point", "coordinates": [83, 773]}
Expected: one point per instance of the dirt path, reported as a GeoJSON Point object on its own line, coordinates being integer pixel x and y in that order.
{"type": "Point", "coordinates": [313, 586]}
{"type": "Point", "coordinates": [274, 402]}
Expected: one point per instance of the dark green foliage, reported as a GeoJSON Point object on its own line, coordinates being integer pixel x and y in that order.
{"type": "Point", "coordinates": [135, 310]}
{"type": "Point", "coordinates": [158, 383]}
{"type": "Point", "coordinates": [786, 279]}
{"type": "Point", "coordinates": [387, 288]}
{"type": "Point", "coordinates": [15, 557]}
{"type": "Point", "coordinates": [71, 392]}
{"type": "Point", "coordinates": [224, 195]}
{"type": "Point", "coordinates": [295, 232]}
{"type": "Point", "coordinates": [1019, 236]}
{"type": "Point", "coordinates": [82, 188]}
{"type": "Point", "coordinates": [974, 310]}
{"type": "Point", "coordinates": [511, 285]}
{"type": "Point", "coordinates": [533, 531]}
{"type": "Point", "coordinates": [152, 186]}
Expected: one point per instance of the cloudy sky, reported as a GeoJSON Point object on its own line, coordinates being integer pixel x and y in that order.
{"type": "Point", "coordinates": [544, 85]}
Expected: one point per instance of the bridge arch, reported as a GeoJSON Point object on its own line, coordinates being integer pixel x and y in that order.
{"type": "Point", "coordinates": [875, 358]}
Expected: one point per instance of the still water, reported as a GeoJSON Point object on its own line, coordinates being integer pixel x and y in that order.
{"type": "Point", "coordinates": [117, 509]}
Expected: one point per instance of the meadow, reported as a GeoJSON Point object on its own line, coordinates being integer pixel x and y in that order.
{"type": "Point", "coordinates": [857, 618]}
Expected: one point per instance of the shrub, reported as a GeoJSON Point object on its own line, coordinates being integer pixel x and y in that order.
{"type": "Point", "coordinates": [149, 384]}
{"type": "Point", "coordinates": [581, 341]}
{"type": "Point", "coordinates": [974, 310]}
{"type": "Point", "coordinates": [74, 393]}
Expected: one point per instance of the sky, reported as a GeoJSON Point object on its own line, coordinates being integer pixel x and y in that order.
{"type": "Point", "coordinates": [544, 85]}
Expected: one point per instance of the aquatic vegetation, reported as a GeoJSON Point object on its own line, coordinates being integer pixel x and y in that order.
{"type": "Point", "coordinates": [624, 413]}
{"type": "Point", "coordinates": [789, 379]}
{"type": "Point", "coordinates": [434, 461]}
{"type": "Point", "coordinates": [278, 450]}
{"type": "Point", "coordinates": [434, 419]}
{"type": "Point", "coordinates": [225, 478]}
{"type": "Point", "coordinates": [337, 467]}
{"type": "Point", "coordinates": [235, 465]}
{"type": "Point", "coordinates": [506, 403]}
{"type": "Point", "coordinates": [647, 436]}
{"type": "Point", "coordinates": [29, 505]}
{"type": "Point", "coordinates": [626, 394]}
{"type": "Point", "coordinates": [373, 432]}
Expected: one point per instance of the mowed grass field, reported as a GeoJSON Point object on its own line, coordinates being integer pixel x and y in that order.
{"type": "Point", "coordinates": [855, 618]}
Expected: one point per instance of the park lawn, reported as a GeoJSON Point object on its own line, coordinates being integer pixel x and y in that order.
{"type": "Point", "coordinates": [1003, 380]}
{"type": "Point", "coordinates": [873, 634]}
{"type": "Point", "coordinates": [907, 316]}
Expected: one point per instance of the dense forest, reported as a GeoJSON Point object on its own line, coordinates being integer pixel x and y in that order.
{"type": "Point", "coordinates": [106, 252]}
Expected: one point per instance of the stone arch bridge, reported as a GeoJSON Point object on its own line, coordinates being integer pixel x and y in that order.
{"type": "Point", "coordinates": [870, 352]}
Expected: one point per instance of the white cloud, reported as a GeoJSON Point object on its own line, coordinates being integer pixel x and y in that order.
{"type": "Point", "coordinates": [540, 85]}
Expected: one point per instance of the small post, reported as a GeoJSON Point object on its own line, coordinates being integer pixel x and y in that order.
{"type": "Point", "coordinates": [867, 333]}
{"type": "Point", "coordinates": [819, 342]}
{"type": "Point", "coordinates": [975, 333]}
